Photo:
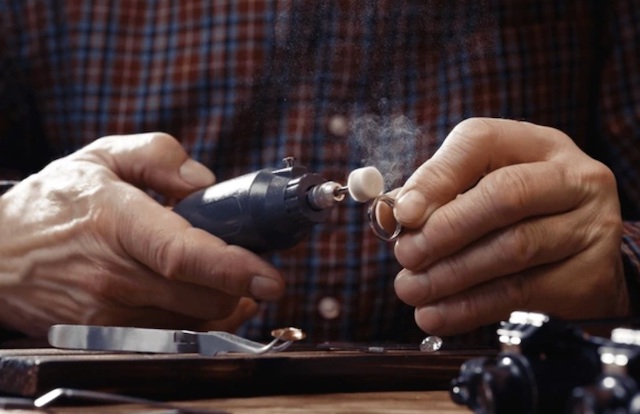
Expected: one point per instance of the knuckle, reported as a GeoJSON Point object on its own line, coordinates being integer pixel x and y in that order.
{"type": "Point", "coordinates": [435, 178]}
{"type": "Point", "coordinates": [470, 137]}
{"type": "Point", "coordinates": [424, 293]}
{"type": "Point", "coordinates": [102, 142]}
{"type": "Point", "coordinates": [605, 220]}
{"type": "Point", "coordinates": [520, 243]}
{"type": "Point", "coordinates": [108, 283]}
{"type": "Point", "coordinates": [603, 225]}
{"type": "Point", "coordinates": [468, 306]}
{"type": "Point", "coordinates": [169, 253]}
{"type": "Point", "coordinates": [517, 291]}
{"type": "Point", "coordinates": [466, 140]}
{"type": "Point", "coordinates": [154, 143]}
{"type": "Point", "coordinates": [229, 276]}
{"type": "Point", "coordinates": [105, 288]}
{"type": "Point", "coordinates": [101, 286]}
{"type": "Point", "coordinates": [159, 139]}
{"type": "Point", "coordinates": [599, 174]}
{"type": "Point", "coordinates": [102, 146]}
{"type": "Point", "coordinates": [456, 269]}
{"type": "Point", "coordinates": [447, 221]}
{"type": "Point", "coordinates": [473, 128]}
{"type": "Point", "coordinates": [595, 180]}
{"type": "Point", "coordinates": [511, 202]}
{"type": "Point", "coordinates": [164, 149]}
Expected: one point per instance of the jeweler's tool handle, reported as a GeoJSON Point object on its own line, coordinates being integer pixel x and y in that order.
{"type": "Point", "coordinates": [262, 211]}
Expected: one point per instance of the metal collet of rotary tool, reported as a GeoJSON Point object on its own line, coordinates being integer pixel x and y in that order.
{"type": "Point", "coordinates": [273, 209]}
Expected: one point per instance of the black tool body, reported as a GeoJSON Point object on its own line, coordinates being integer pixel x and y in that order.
{"type": "Point", "coordinates": [262, 211]}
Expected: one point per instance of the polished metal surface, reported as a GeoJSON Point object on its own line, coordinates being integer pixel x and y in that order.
{"type": "Point", "coordinates": [125, 339]}
{"type": "Point", "coordinates": [112, 338]}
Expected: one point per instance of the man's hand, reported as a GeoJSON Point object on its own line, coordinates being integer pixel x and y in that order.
{"type": "Point", "coordinates": [82, 242]}
{"type": "Point", "coordinates": [509, 216]}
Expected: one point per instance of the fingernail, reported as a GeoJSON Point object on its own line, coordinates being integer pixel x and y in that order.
{"type": "Point", "coordinates": [196, 174]}
{"type": "Point", "coordinates": [410, 208]}
{"type": "Point", "coordinates": [265, 288]}
{"type": "Point", "coordinates": [430, 318]}
{"type": "Point", "coordinates": [413, 250]}
{"type": "Point", "coordinates": [412, 288]}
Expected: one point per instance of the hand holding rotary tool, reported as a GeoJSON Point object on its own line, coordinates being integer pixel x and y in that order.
{"type": "Point", "coordinates": [273, 209]}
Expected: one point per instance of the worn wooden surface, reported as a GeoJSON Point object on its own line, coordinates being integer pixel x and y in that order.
{"type": "Point", "coordinates": [33, 372]}
{"type": "Point", "coordinates": [398, 402]}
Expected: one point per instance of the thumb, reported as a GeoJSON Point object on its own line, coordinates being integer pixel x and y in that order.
{"type": "Point", "coordinates": [152, 160]}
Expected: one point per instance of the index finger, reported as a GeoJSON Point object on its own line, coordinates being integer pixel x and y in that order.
{"type": "Point", "coordinates": [170, 246]}
{"type": "Point", "coordinates": [474, 148]}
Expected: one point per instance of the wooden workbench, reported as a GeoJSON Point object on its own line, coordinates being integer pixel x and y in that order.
{"type": "Point", "coordinates": [323, 381]}
{"type": "Point", "coordinates": [401, 402]}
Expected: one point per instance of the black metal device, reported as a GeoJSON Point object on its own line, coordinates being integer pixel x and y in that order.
{"type": "Point", "coordinates": [267, 210]}
{"type": "Point", "coordinates": [542, 360]}
{"type": "Point", "coordinates": [616, 390]}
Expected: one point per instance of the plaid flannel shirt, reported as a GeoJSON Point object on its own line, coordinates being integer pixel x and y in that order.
{"type": "Point", "coordinates": [337, 84]}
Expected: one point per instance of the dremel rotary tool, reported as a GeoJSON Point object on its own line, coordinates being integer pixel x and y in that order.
{"type": "Point", "coordinates": [273, 209]}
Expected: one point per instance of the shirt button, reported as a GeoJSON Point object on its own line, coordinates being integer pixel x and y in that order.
{"type": "Point", "coordinates": [329, 308]}
{"type": "Point", "coordinates": [338, 125]}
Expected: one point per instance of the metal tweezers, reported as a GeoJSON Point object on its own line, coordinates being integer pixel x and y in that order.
{"type": "Point", "coordinates": [125, 339]}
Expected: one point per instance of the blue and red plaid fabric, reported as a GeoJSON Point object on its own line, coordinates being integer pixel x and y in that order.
{"type": "Point", "coordinates": [244, 83]}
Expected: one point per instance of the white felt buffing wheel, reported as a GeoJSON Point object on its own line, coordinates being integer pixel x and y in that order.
{"type": "Point", "coordinates": [365, 184]}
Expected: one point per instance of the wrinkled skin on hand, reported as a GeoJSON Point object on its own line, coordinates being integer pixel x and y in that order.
{"type": "Point", "coordinates": [509, 216]}
{"type": "Point", "coordinates": [82, 242]}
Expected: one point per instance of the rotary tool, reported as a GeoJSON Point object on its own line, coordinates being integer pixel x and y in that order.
{"type": "Point", "coordinates": [273, 209]}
